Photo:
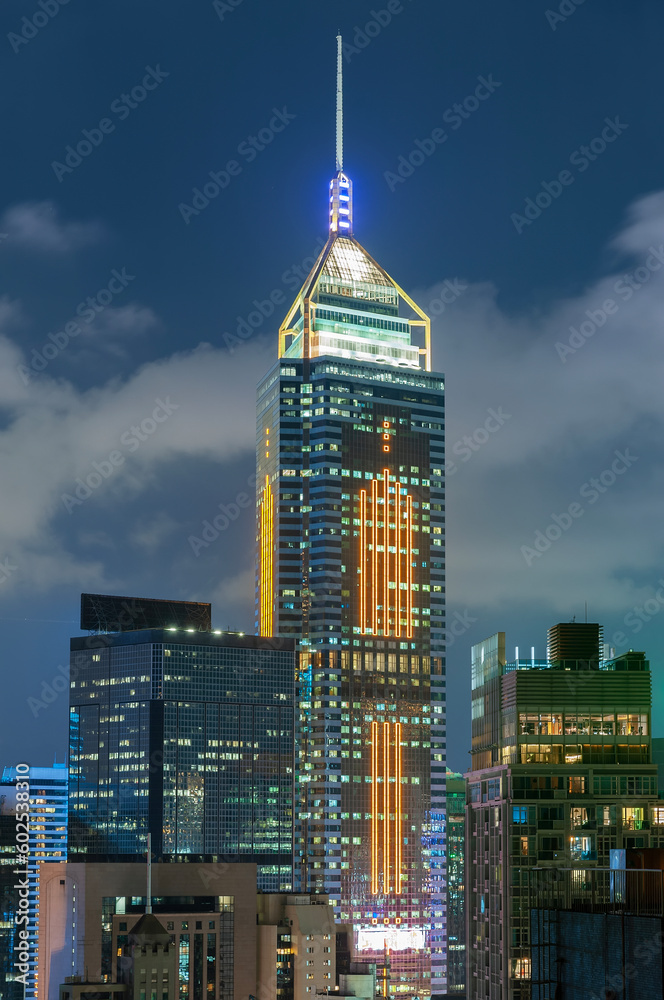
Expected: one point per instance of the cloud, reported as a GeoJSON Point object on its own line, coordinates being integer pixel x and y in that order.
{"type": "Point", "coordinates": [112, 332]}
{"type": "Point", "coordinates": [579, 384]}
{"type": "Point", "coordinates": [71, 458]}
{"type": "Point", "coordinates": [36, 225]}
{"type": "Point", "coordinates": [151, 533]}
{"type": "Point", "coordinates": [162, 447]}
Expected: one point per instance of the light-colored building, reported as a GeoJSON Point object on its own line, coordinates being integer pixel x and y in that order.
{"type": "Point", "coordinates": [75, 988]}
{"type": "Point", "coordinates": [561, 774]}
{"type": "Point", "coordinates": [296, 946]}
{"type": "Point", "coordinates": [88, 910]}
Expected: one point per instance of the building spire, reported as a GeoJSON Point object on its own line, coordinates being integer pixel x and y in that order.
{"type": "Point", "coordinates": [148, 895]}
{"type": "Point", "coordinates": [341, 189]}
{"type": "Point", "coordinates": [340, 108]}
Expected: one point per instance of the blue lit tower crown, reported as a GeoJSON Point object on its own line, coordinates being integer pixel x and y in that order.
{"type": "Point", "coordinates": [350, 559]}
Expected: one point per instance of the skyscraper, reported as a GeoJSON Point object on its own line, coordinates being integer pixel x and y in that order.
{"type": "Point", "coordinates": [561, 775]}
{"type": "Point", "coordinates": [47, 841]}
{"type": "Point", "coordinates": [186, 733]}
{"type": "Point", "coordinates": [350, 559]}
{"type": "Point", "coordinates": [456, 908]}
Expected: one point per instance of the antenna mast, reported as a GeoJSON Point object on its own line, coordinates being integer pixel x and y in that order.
{"type": "Point", "coordinates": [340, 110]}
{"type": "Point", "coordinates": [148, 901]}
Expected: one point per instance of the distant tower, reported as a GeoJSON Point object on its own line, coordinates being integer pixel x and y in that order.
{"type": "Point", "coordinates": [48, 788]}
{"type": "Point", "coordinates": [350, 559]}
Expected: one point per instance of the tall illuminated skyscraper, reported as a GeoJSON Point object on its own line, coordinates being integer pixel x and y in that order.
{"type": "Point", "coordinates": [350, 559]}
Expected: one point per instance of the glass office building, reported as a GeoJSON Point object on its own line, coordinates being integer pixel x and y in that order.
{"type": "Point", "coordinates": [456, 908]}
{"type": "Point", "coordinates": [350, 560]}
{"type": "Point", "coordinates": [187, 735]}
{"type": "Point", "coordinates": [47, 840]}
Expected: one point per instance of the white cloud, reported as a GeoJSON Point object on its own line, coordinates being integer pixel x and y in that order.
{"type": "Point", "coordinates": [566, 421]}
{"type": "Point", "coordinates": [150, 533]}
{"type": "Point", "coordinates": [57, 439]}
{"type": "Point", "coordinates": [36, 225]}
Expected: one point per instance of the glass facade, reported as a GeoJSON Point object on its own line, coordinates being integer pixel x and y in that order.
{"type": "Point", "coordinates": [456, 908]}
{"type": "Point", "coordinates": [350, 560]}
{"type": "Point", "coordinates": [9, 987]}
{"type": "Point", "coordinates": [47, 840]}
{"type": "Point", "coordinates": [190, 737]}
{"type": "Point", "coordinates": [561, 775]}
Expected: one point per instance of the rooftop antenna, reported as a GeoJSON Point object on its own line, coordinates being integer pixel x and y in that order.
{"type": "Point", "coordinates": [341, 189]}
{"type": "Point", "coordinates": [148, 900]}
{"type": "Point", "coordinates": [340, 108]}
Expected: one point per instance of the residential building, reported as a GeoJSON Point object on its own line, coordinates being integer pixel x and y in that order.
{"type": "Point", "coordinates": [298, 930]}
{"type": "Point", "coordinates": [561, 774]}
{"type": "Point", "coordinates": [350, 562]}
{"type": "Point", "coordinates": [186, 734]}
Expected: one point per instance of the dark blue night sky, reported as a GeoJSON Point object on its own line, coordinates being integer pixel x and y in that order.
{"type": "Point", "coordinates": [508, 170]}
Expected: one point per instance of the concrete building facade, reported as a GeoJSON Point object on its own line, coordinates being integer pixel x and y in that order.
{"type": "Point", "coordinates": [298, 930]}
{"type": "Point", "coordinates": [88, 910]}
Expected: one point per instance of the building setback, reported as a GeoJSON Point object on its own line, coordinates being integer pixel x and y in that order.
{"type": "Point", "coordinates": [350, 559]}
{"type": "Point", "coordinates": [561, 774]}
{"type": "Point", "coordinates": [187, 735]}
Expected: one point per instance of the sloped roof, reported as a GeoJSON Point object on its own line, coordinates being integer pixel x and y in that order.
{"type": "Point", "coordinates": [149, 930]}
{"type": "Point", "coordinates": [348, 262]}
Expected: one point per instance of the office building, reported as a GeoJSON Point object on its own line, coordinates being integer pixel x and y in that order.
{"type": "Point", "coordinates": [186, 734]}
{"type": "Point", "coordinates": [350, 561]}
{"type": "Point", "coordinates": [561, 775]}
{"type": "Point", "coordinates": [456, 910]}
{"type": "Point", "coordinates": [47, 840]}
{"type": "Point", "coordinates": [208, 910]}
{"type": "Point", "coordinates": [10, 987]}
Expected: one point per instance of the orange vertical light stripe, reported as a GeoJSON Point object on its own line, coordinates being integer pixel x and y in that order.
{"type": "Point", "coordinates": [397, 810]}
{"type": "Point", "coordinates": [397, 564]}
{"type": "Point", "coordinates": [267, 569]}
{"type": "Point", "coordinates": [262, 581]}
{"type": "Point", "coordinates": [363, 561]}
{"type": "Point", "coordinates": [386, 808]}
{"type": "Point", "coordinates": [386, 554]}
{"type": "Point", "coordinates": [374, 808]}
{"type": "Point", "coordinates": [374, 561]}
{"type": "Point", "coordinates": [409, 566]}
{"type": "Point", "coordinates": [270, 583]}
